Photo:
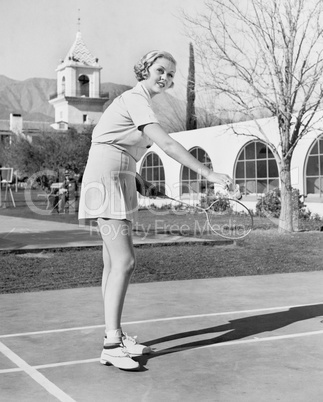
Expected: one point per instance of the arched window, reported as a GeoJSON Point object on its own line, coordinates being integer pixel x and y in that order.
{"type": "Point", "coordinates": [192, 182]}
{"type": "Point", "coordinates": [84, 85]}
{"type": "Point", "coordinates": [152, 170]}
{"type": "Point", "coordinates": [256, 169]}
{"type": "Point", "coordinates": [314, 169]}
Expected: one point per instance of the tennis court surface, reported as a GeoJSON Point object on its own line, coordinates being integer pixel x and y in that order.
{"type": "Point", "coordinates": [229, 339]}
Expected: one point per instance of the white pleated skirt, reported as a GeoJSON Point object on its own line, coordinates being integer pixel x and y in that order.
{"type": "Point", "coordinates": [108, 186]}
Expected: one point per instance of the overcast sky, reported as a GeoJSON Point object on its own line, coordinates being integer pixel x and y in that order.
{"type": "Point", "coordinates": [36, 34]}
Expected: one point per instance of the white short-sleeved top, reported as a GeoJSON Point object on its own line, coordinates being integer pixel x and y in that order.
{"type": "Point", "coordinates": [119, 125]}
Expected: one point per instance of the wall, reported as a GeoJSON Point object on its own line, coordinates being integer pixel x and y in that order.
{"type": "Point", "coordinates": [78, 109]}
{"type": "Point", "coordinates": [223, 143]}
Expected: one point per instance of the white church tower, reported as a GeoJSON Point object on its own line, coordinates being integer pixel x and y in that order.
{"type": "Point", "coordinates": [78, 100]}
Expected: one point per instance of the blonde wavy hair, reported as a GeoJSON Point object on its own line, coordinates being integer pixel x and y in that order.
{"type": "Point", "coordinates": [141, 68]}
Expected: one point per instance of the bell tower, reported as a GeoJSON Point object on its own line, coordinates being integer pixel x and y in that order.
{"type": "Point", "coordinates": [78, 100]}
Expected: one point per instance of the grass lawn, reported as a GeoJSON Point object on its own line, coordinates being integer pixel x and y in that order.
{"type": "Point", "coordinates": [263, 252]}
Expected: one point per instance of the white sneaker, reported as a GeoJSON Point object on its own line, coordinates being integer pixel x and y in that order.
{"type": "Point", "coordinates": [133, 347]}
{"type": "Point", "coordinates": [118, 357]}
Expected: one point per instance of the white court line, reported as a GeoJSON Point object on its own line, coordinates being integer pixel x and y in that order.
{"type": "Point", "coordinates": [50, 365]}
{"type": "Point", "coordinates": [265, 339]}
{"type": "Point", "coordinates": [51, 331]}
{"type": "Point", "coordinates": [179, 349]}
{"type": "Point", "coordinates": [35, 375]}
{"type": "Point", "coordinates": [184, 317]}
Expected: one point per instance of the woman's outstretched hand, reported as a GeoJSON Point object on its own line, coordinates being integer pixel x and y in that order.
{"type": "Point", "coordinates": [226, 183]}
{"type": "Point", "coordinates": [220, 179]}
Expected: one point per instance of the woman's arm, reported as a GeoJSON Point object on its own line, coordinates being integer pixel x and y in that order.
{"type": "Point", "coordinates": [176, 151]}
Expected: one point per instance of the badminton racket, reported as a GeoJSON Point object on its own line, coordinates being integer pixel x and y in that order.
{"type": "Point", "coordinates": [223, 212]}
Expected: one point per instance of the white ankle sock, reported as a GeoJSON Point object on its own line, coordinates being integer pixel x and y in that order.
{"type": "Point", "coordinates": [113, 336]}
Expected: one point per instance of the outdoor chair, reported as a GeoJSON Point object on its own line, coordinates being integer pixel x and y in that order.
{"type": "Point", "coordinates": [63, 196]}
{"type": "Point", "coordinates": [56, 197]}
{"type": "Point", "coordinates": [6, 175]}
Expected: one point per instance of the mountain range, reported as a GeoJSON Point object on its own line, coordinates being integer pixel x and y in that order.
{"type": "Point", "coordinates": [30, 99]}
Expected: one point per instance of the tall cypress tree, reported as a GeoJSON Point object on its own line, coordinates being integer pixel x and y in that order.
{"type": "Point", "coordinates": [191, 121]}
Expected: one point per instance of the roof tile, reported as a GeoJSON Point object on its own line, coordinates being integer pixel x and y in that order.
{"type": "Point", "coordinates": [80, 53]}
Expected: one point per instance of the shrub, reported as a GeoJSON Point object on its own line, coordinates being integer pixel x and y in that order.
{"type": "Point", "coordinates": [270, 204]}
{"type": "Point", "coordinates": [222, 203]}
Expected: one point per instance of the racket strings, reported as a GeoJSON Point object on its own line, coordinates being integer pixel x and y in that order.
{"type": "Point", "coordinates": [222, 216]}
{"type": "Point", "coordinates": [230, 223]}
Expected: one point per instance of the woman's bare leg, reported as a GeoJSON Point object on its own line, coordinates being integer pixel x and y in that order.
{"type": "Point", "coordinates": [106, 268]}
{"type": "Point", "coordinates": [117, 239]}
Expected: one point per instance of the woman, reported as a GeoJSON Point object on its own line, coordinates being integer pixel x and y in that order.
{"type": "Point", "coordinates": [126, 129]}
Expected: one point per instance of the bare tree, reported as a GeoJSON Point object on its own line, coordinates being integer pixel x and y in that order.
{"type": "Point", "coordinates": [265, 56]}
{"type": "Point", "coordinates": [171, 112]}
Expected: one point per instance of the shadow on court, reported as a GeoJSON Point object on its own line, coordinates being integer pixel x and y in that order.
{"type": "Point", "coordinates": [236, 329]}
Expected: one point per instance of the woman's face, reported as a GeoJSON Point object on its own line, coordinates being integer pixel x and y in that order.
{"type": "Point", "coordinates": [160, 76]}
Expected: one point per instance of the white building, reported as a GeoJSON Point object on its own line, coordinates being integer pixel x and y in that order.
{"type": "Point", "coordinates": [235, 150]}
{"type": "Point", "coordinates": [78, 99]}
